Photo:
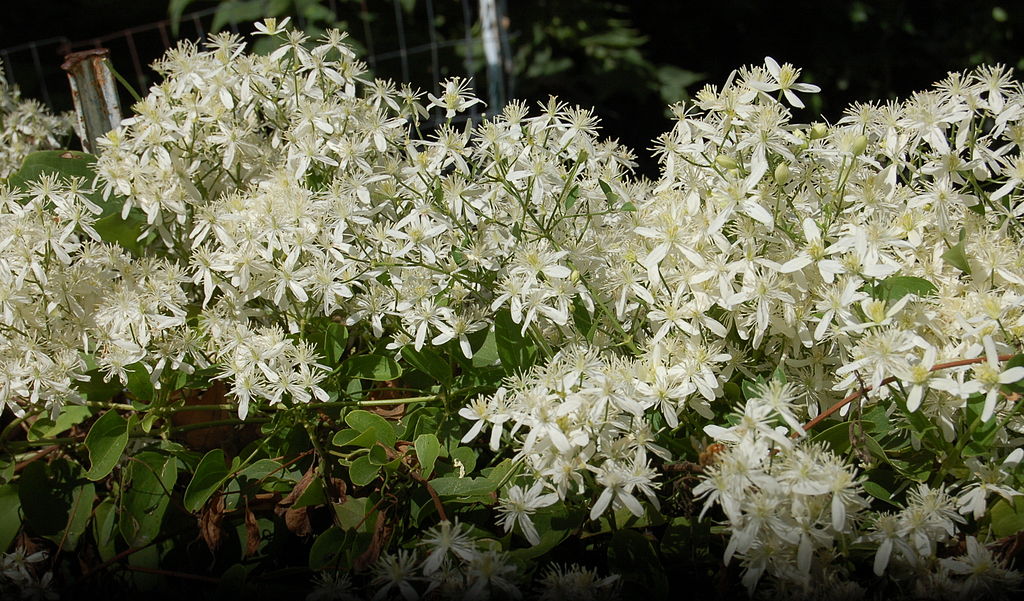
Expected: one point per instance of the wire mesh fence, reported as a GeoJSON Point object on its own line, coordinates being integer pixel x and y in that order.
{"type": "Point", "coordinates": [419, 41]}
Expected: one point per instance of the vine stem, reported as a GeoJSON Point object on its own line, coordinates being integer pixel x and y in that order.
{"type": "Point", "coordinates": [864, 390]}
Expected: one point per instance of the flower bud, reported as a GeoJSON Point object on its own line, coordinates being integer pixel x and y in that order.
{"type": "Point", "coordinates": [782, 173]}
{"type": "Point", "coordinates": [818, 130]}
{"type": "Point", "coordinates": [726, 162]}
{"type": "Point", "coordinates": [860, 144]}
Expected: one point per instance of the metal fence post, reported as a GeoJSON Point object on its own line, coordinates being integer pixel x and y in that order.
{"type": "Point", "coordinates": [489, 30]}
{"type": "Point", "coordinates": [97, 107]}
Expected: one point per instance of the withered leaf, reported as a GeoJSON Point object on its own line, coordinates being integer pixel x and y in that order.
{"type": "Point", "coordinates": [337, 490]}
{"type": "Point", "coordinates": [300, 487]}
{"type": "Point", "coordinates": [211, 516]}
{"type": "Point", "coordinates": [297, 520]}
{"type": "Point", "coordinates": [381, 532]}
{"type": "Point", "coordinates": [252, 532]}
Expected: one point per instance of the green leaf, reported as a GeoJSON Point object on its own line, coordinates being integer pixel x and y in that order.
{"type": "Point", "coordinates": [428, 448]}
{"type": "Point", "coordinates": [365, 421]}
{"type": "Point", "coordinates": [372, 367]}
{"type": "Point", "coordinates": [450, 486]}
{"type": "Point", "coordinates": [326, 548]}
{"type": "Point", "coordinates": [103, 528]}
{"type": "Point", "coordinates": [106, 441]}
{"type": "Point", "coordinates": [631, 554]}
{"type": "Point", "coordinates": [81, 512]}
{"type": "Point", "coordinates": [70, 415]}
{"type": "Point", "coordinates": [69, 163]}
{"type": "Point", "coordinates": [122, 232]}
{"type": "Point", "coordinates": [352, 513]}
{"type": "Point", "coordinates": [487, 354]}
{"type": "Point", "coordinates": [546, 521]}
{"type": "Point", "coordinates": [42, 492]}
{"type": "Point", "coordinates": [430, 363]}
{"type": "Point", "coordinates": [583, 320]}
{"type": "Point", "coordinates": [572, 197]}
{"type": "Point", "coordinates": [378, 456]}
{"type": "Point", "coordinates": [236, 12]}
{"type": "Point", "coordinates": [175, 9]}
{"type": "Point", "coordinates": [877, 491]}
{"type": "Point", "coordinates": [465, 456]}
{"type": "Point", "coordinates": [335, 341]}
{"type": "Point", "coordinates": [63, 163]}
{"type": "Point", "coordinates": [354, 438]}
{"type": "Point", "coordinates": [609, 194]}
{"type": "Point", "coordinates": [149, 478]}
{"type": "Point", "coordinates": [884, 484]}
{"type": "Point", "coordinates": [210, 474]}
{"type": "Point", "coordinates": [504, 470]}
{"type": "Point", "coordinates": [362, 472]}
{"type": "Point", "coordinates": [264, 469]}
{"type": "Point", "coordinates": [1007, 519]}
{"type": "Point", "coordinates": [956, 257]}
{"type": "Point", "coordinates": [10, 515]}
{"type": "Point", "coordinates": [895, 287]}
{"type": "Point", "coordinates": [96, 389]}
{"type": "Point", "coordinates": [516, 352]}
{"type": "Point", "coordinates": [752, 389]}
{"type": "Point", "coordinates": [313, 495]}
{"type": "Point", "coordinates": [139, 383]}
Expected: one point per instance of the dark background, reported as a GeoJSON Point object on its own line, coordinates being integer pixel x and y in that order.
{"type": "Point", "coordinates": [627, 59]}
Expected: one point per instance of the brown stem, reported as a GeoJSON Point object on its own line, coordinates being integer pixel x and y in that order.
{"type": "Point", "coordinates": [856, 395]}
{"type": "Point", "coordinates": [37, 456]}
{"type": "Point", "coordinates": [417, 476]}
{"type": "Point", "coordinates": [433, 494]}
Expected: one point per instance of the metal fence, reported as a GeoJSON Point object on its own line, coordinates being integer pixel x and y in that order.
{"type": "Point", "coordinates": [420, 42]}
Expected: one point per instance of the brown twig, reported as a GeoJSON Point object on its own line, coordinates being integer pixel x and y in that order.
{"type": "Point", "coordinates": [36, 457]}
{"type": "Point", "coordinates": [853, 396]}
{"type": "Point", "coordinates": [433, 494]}
{"type": "Point", "coordinates": [417, 476]}
{"type": "Point", "coordinates": [684, 466]}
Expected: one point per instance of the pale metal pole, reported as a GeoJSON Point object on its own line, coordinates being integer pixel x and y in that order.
{"type": "Point", "coordinates": [97, 107]}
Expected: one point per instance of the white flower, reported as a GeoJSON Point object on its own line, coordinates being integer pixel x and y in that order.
{"type": "Point", "coordinates": [443, 539]}
{"type": "Point", "coordinates": [455, 98]}
{"type": "Point", "coordinates": [395, 571]}
{"type": "Point", "coordinates": [518, 505]}
{"type": "Point", "coordinates": [988, 378]}
{"type": "Point", "coordinates": [983, 574]}
{"type": "Point", "coordinates": [784, 79]}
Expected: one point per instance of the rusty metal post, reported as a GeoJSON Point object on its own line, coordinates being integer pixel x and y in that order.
{"type": "Point", "coordinates": [92, 88]}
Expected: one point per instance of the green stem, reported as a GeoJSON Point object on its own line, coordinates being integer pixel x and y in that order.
{"type": "Point", "coordinates": [219, 422]}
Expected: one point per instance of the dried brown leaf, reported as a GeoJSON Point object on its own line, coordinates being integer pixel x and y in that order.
{"type": "Point", "coordinates": [211, 516]}
{"type": "Point", "coordinates": [252, 532]}
{"type": "Point", "coordinates": [300, 487]}
{"type": "Point", "coordinates": [337, 490]}
{"type": "Point", "coordinates": [297, 520]}
{"type": "Point", "coordinates": [381, 532]}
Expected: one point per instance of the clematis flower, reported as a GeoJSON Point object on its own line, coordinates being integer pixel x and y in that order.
{"type": "Point", "coordinates": [784, 79]}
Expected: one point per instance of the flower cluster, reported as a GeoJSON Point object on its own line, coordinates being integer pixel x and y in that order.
{"type": "Point", "coordinates": [25, 127]}
{"type": "Point", "coordinates": [875, 264]}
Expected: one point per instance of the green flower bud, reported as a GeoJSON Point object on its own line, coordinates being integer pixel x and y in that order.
{"type": "Point", "coordinates": [860, 144]}
{"type": "Point", "coordinates": [782, 173]}
{"type": "Point", "coordinates": [818, 130]}
{"type": "Point", "coordinates": [726, 162]}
